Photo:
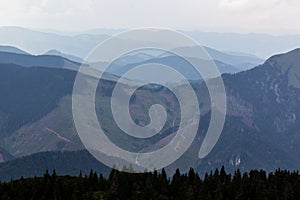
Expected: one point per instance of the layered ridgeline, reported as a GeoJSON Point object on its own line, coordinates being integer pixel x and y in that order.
{"type": "Point", "coordinates": [261, 129]}
{"type": "Point", "coordinates": [226, 63]}
{"type": "Point", "coordinates": [27, 60]}
{"type": "Point", "coordinates": [38, 42]}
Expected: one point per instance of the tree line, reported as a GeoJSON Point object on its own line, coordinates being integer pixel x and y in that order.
{"type": "Point", "coordinates": [217, 185]}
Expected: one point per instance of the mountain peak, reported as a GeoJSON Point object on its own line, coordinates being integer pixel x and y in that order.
{"type": "Point", "coordinates": [291, 55]}
{"type": "Point", "coordinates": [288, 63]}
{"type": "Point", "coordinates": [54, 52]}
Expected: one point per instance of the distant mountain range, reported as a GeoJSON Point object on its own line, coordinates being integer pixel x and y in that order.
{"type": "Point", "coordinates": [80, 44]}
{"type": "Point", "coordinates": [259, 44]}
{"type": "Point", "coordinates": [261, 129]}
{"type": "Point", "coordinates": [239, 60]}
{"type": "Point", "coordinates": [226, 63]}
{"type": "Point", "coordinates": [175, 62]}
{"type": "Point", "coordinates": [76, 47]}
{"type": "Point", "coordinates": [36, 42]}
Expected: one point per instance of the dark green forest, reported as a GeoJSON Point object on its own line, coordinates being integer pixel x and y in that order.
{"type": "Point", "coordinates": [216, 185]}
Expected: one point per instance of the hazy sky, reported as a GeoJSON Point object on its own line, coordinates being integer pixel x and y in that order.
{"type": "Point", "coordinates": [269, 16]}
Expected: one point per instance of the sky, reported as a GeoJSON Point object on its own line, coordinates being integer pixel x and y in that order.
{"type": "Point", "coordinates": [243, 16]}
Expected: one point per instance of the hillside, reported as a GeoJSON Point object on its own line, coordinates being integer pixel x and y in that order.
{"type": "Point", "coordinates": [262, 124]}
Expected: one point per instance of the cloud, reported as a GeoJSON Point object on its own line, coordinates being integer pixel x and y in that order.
{"type": "Point", "coordinates": [249, 5]}
{"type": "Point", "coordinates": [235, 4]}
{"type": "Point", "coordinates": [212, 15]}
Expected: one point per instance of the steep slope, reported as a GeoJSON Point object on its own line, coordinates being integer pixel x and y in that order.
{"type": "Point", "coordinates": [262, 124]}
{"type": "Point", "coordinates": [30, 93]}
{"type": "Point", "coordinates": [52, 132]}
{"type": "Point", "coordinates": [36, 109]}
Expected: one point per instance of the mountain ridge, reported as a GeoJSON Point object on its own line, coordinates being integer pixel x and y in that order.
{"type": "Point", "coordinates": [27, 60]}
{"type": "Point", "coordinates": [11, 49]}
